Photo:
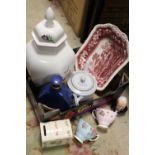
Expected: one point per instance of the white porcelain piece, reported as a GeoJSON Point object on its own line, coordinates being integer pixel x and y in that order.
{"type": "Point", "coordinates": [49, 52]}
{"type": "Point", "coordinates": [82, 84]}
{"type": "Point", "coordinates": [49, 32]}
{"type": "Point", "coordinates": [56, 133]}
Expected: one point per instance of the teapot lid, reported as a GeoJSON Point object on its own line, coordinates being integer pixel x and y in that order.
{"type": "Point", "coordinates": [82, 83]}
{"type": "Point", "coordinates": [49, 32]}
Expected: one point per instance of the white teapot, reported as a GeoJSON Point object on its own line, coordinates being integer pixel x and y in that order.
{"type": "Point", "coordinates": [49, 52]}
{"type": "Point", "coordinates": [82, 84]}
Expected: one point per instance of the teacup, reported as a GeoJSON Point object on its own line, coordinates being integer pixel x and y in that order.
{"type": "Point", "coordinates": [104, 117]}
{"type": "Point", "coordinates": [85, 132]}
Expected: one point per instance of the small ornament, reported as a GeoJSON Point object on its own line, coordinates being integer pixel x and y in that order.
{"type": "Point", "coordinates": [121, 103]}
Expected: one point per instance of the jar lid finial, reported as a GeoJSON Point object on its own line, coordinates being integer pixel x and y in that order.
{"type": "Point", "coordinates": [49, 16]}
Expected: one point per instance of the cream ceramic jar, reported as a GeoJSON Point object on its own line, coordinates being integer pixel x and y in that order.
{"type": "Point", "coordinates": [49, 52]}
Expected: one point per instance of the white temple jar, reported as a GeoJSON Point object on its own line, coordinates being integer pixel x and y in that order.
{"type": "Point", "coordinates": [49, 52]}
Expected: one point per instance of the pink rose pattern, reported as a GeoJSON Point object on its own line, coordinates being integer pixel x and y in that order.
{"type": "Point", "coordinates": [102, 113]}
{"type": "Point", "coordinates": [84, 125]}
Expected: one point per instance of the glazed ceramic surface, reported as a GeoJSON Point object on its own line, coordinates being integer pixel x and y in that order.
{"type": "Point", "coordinates": [104, 117]}
{"type": "Point", "coordinates": [85, 132]}
{"type": "Point", "coordinates": [56, 94]}
{"type": "Point", "coordinates": [56, 133]}
{"type": "Point", "coordinates": [49, 52]}
{"type": "Point", "coordinates": [82, 84]}
{"type": "Point", "coordinates": [104, 53]}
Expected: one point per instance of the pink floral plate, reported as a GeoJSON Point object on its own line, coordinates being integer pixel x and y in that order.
{"type": "Point", "coordinates": [104, 53]}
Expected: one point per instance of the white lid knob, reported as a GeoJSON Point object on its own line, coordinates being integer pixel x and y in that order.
{"type": "Point", "coordinates": [49, 16]}
{"type": "Point", "coordinates": [82, 79]}
{"type": "Point", "coordinates": [82, 83]}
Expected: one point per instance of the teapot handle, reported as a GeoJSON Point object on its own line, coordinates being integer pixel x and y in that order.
{"type": "Point", "coordinates": [77, 99]}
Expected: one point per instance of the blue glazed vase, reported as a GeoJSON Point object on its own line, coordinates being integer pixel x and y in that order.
{"type": "Point", "coordinates": [56, 94]}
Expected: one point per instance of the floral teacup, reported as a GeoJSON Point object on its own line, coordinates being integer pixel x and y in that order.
{"type": "Point", "coordinates": [85, 132]}
{"type": "Point", "coordinates": [104, 117]}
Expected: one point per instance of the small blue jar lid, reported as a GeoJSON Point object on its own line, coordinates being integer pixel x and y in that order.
{"type": "Point", "coordinates": [56, 80]}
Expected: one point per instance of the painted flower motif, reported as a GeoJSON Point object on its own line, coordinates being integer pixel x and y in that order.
{"type": "Point", "coordinates": [107, 31]}
{"type": "Point", "coordinates": [44, 37]}
{"type": "Point", "coordinates": [95, 37]}
{"type": "Point", "coordinates": [81, 62]}
{"type": "Point", "coordinates": [47, 38]}
{"type": "Point", "coordinates": [102, 113]}
{"type": "Point", "coordinates": [91, 44]}
{"type": "Point", "coordinates": [85, 54]}
{"type": "Point", "coordinates": [84, 125]}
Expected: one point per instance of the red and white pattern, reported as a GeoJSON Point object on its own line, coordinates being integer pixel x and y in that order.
{"type": "Point", "coordinates": [105, 52]}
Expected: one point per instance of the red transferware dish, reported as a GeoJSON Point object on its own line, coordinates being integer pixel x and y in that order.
{"type": "Point", "coordinates": [104, 53]}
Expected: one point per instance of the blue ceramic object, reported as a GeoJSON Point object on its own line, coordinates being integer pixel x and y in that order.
{"type": "Point", "coordinates": [56, 80]}
{"type": "Point", "coordinates": [56, 94]}
{"type": "Point", "coordinates": [85, 132]}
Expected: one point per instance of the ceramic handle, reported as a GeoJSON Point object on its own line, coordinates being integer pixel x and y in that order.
{"type": "Point", "coordinates": [77, 99]}
{"type": "Point", "coordinates": [94, 139]}
{"type": "Point", "coordinates": [93, 114]}
{"type": "Point", "coordinates": [82, 79]}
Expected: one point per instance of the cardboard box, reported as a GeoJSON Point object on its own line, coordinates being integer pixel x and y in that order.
{"type": "Point", "coordinates": [75, 11]}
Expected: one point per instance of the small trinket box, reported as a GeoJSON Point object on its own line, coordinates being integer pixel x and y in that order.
{"type": "Point", "coordinates": [56, 133]}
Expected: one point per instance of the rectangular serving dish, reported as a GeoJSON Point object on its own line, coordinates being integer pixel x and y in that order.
{"type": "Point", "coordinates": [103, 54]}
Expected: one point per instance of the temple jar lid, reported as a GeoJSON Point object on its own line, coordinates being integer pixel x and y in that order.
{"type": "Point", "coordinates": [49, 32]}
